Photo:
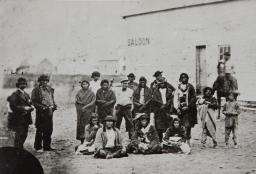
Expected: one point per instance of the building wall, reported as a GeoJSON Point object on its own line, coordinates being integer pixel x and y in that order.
{"type": "Point", "coordinates": [109, 67]}
{"type": "Point", "coordinates": [174, 35]}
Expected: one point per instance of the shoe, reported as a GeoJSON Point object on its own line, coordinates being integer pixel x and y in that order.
{"type": "Point", "coordinates": [39, 150]}
{"type": "Point", "coordinates": [49, 149]}
{"type": "Point", "coordinates": [109, 157]}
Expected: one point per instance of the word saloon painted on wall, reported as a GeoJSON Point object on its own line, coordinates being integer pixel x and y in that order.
{"type": "Point", "coordinates": [141, 41]}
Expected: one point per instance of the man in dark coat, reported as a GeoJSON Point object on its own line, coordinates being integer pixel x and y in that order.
{"type": "Point", "coordinates": [162, 105]}
{"type": "Point", "coordinates": [105, 100]}
{"type": "Point", "coordinates": [131, 84]}
{"type": "Point", "coordinates": [185, 104]}
{"type": "Point", "coordinates": [142, 97]}
{"type": "Point", "coordinates": [21, 107]}
{"type": "Point", "coordinates": [43, 100]}
{"type": "Point", "coordinates": [159, 77]}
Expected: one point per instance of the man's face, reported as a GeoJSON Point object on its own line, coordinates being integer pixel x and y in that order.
{"type": "Point", "coordinates": [105, 86]}
{"type": "Point", "coordinates": [95, 121]}
{"type": "Point", "coordinates": [22, 86]}
{"type": "Point", "coordinates": [85, 85]}
{"type": "Point", "coordinates": [109, 124]}
{"type": "Point", "coordinates": [44, 82]}
{"type": "Point", "coordinates": [142, 84]}
{"type": "Point", "coordinates": [208, 93]}
{"type": "Point", "coordinates": [176, 124]}
{"type": "Point", "coordinates": [131, 79]}
{"type": "Point", "coordinates": [124, 85]}
{"type": "Point", "coordinates": [96, 78]}
{"type": "Point", "coordinates": [184, 79]}
{"type": "Point", "coordinates": [144, 122]}
{"type": "Point", "coordinates": [231, 97]}
{"type": "Point", "coordinates": [159, 77]}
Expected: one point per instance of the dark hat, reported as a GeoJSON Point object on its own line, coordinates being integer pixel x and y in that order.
{"type": "Point", "coordinates": [227, 54]}
{"type": "Point", "coordinates": [143, 79]}
{"type": "Point", "coordinates": [208, 88]}
{"type": "Point", "coordinates": [104, 81]}
{"type": "Point", "coordinates": [20, 81]}
{"type": "Point", "coordinates": [131, 75]}
{"type": "Point", "coordinates": [43, 78]}
{"type": "Point", "coordinates": [141, 116]}
{"type": "Point", "coordinates": [109, 118]}
{"type": "Point", "coordinates": [125, 80]}
{"type": "Point", "coordinates": [84, 81]}
{"type": "Point", "coordinates": [95, 74]}
{"type": "Point", "coordinates": [176, 119]}
{"type": "Point", "coordinates": [157, 73]}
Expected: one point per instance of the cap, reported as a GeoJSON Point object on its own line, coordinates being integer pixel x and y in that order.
{"type": "Point", "coordinates": [157, 73]}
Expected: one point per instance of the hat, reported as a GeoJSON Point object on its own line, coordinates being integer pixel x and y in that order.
{"type": "Point", "coordinates": [236, 92]}
{"type": "Point", "coordinates": [157, 73]}
{"type": "Point", "coordinates": [84, 81]}
{"type": "Point", "coordinates": [141, 116]}
{"type": "Point", "coordinates": [131, 75]}
{"type": "Point", "coordinates": [125, 80]}
{"type": "Point", "coordinates": [95, 74]}
{"type": "Point", "coordinates": [109, 118]}
{"type": "Point", "coordinates": [176, 119]}
{"type": "Point", "coordinates": [43, 78]}
{"type": "Point", "coordinates": [20, 81]}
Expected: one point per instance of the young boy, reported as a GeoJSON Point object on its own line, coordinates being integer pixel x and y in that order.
{"type": "Point", "coordinates": [175, 138]}
{"type": "Point", "coordinates": [206, 111]}
{"type": "Point", "coordinates": [231, 110]}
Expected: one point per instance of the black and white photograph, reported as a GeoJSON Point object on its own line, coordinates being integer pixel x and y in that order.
{"type": "Point", "coordinates": [127, 86]}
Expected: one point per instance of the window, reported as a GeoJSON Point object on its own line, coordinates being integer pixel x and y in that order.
{"type": "Point", "coordinates": [223, 49]}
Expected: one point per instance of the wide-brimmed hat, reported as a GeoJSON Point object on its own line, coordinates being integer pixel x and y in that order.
{"type": "Point", "coordinates": [141, 116]}
{"type": "Point", "coordinates": [157, 73]}
{"type": "Point", "coordinates": [131, 75]}
{"type": "Point", "coordinates": [21, 81]}
{"type": "Point", "coordinates": [43, 78]}
{"type": "Point", "coordinates": [109, 118]}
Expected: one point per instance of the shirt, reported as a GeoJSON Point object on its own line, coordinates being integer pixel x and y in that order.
{"type": "Point", "coordinates": [144, 131]}
{"type": "Point", "coordinates": [163, 94]}
{"type": "Point", "coordinates": [124, 97]}
{"type": "Point", "coordinates": [110, 138]}
{"type": "Point", "coordinates": [47, 99]}
{"type": "Point", "coordinates": [94, 86]}
{"type": "Point", "coordinates": [142, 96]}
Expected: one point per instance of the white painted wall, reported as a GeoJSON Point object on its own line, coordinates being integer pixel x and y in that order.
{"type": "Point", "coordinates": [175, 34]}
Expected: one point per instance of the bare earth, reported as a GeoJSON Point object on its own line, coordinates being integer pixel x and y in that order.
{"type": "Point", "coordinates": [208, 160]}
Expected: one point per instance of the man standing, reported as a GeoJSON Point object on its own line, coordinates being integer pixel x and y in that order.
{"type": "Point", "coordinates": [185, 104]}
{"type": "Point", "coordinates": [162, 106]}
{"type": "Point", "coordinates": [131, 84]}
{"type": "Point", "coordinates": [85, 106]}
{"type": "Point", "coordinates": [95, 83]}
{"type": "Point", "coordinates": [159, 77]}
{"type": "Point", "coordinates": [124, 108]}
{"type": "Point", "coordinates": [109, 142]}
{"type": "Point", "coordinates": [142, 97]}
{"type": "Point", "coordinates": [43, 100]}
{"type": "Point", "coordinates": [21, 107]}
{"type": "Point", "coordinates": [105, 100]}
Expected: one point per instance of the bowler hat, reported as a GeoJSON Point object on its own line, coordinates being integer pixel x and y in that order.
{"type": "Point", "coordinates": [157, 73]}
{"type": "Point", "coordinates": [131, 75]}
{"type": "Point", "coordinates": [43, 78]}
{"type": "Point", "coordinates": [109, 118]}
{"type": "Point", "coordinates": [20, 81]}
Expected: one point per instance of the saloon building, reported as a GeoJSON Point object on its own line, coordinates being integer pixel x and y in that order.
{"type": "Point", "coordinates": [191, 36]}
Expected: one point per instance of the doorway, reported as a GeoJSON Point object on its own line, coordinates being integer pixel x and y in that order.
{"type": "Point", "coordinates": [201, 71]}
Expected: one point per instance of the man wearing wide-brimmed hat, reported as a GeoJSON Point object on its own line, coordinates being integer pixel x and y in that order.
{"type": "Point", "coordinates": [109, 143]}
{"type": "Point", "coordinates": [131, 84]}
{"type": "Point", "coordinates": [43, 100]}
{"type": "Point", "coordinates": [20, 117]}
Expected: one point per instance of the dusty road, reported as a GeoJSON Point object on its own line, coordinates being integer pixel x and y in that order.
{"type": "Point", "coordinates": [204, 161]}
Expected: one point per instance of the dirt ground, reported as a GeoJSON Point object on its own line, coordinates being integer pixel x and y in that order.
{"type": "Point", "coordinates": [208, 160]}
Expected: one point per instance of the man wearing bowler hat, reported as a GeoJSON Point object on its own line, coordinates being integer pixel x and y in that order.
{"type": "Point", "coordinates": [159, 78]}
{"type": "Point", "coordinates": [131, 84]}
{"type": "Point", "coordinates": [20, 115]}
{"type": "Point", "coordinates": [43, 100]}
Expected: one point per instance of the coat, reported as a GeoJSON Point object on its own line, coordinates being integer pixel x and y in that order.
{"type": "Point", "coordinates": [162, 115]}
{"type": "Point", "coordinates": [173, 132]}
{"type": "Point", "coordinates": [19, 116]}
{"type": "Point", "coordinates": [101, 139]}
{"type": "Point", "coordinates": [42, 111]}
{"type": "Point", "coordinates": [138, 107]}
{"type": "Point", "coordinates": [188, 118]}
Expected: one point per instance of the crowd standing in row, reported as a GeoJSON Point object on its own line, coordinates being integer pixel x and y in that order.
{"type": "Point", "coordinates": [158, 118]}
